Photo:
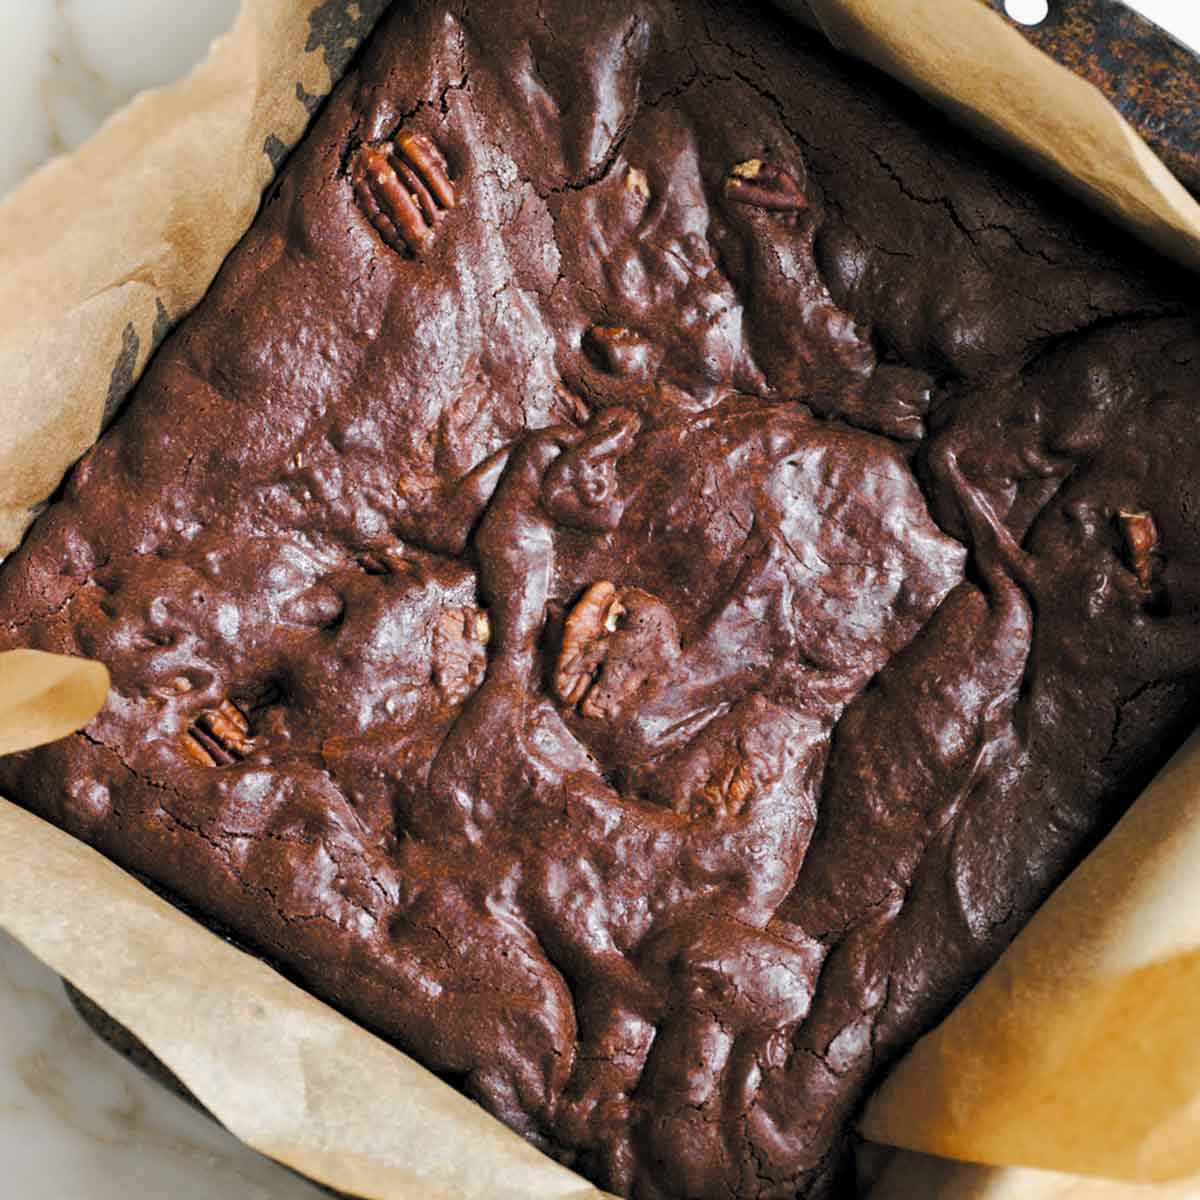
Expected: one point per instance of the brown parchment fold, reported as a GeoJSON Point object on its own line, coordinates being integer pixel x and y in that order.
{"type": "Point", "coordinates": [970, 62]}
{"type": "Point", "coordinates": [1079, 1051]}
{"type": "Point", "coordinates": [46, 696]}
{"type": "Point", "coordinates": [283, 1071]}
{"type": "Point", "coordinates": [104, 249]}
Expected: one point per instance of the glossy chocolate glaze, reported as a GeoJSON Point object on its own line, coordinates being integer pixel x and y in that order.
{"type": "Point", "coordinates": [653, 558]}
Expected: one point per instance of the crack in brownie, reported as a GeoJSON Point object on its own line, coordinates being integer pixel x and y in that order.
{"type": "Point", "coordinates": [653, 558]}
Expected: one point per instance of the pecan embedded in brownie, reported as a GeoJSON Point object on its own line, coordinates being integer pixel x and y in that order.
{"type": "Point", "coordinates": [652, 559]}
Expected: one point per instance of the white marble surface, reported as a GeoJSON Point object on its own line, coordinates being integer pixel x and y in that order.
{"type": "Point", "coordinates": [76, 1121]}
{"type": "Point", "coordinates": [66, 64]}
{"type": "Point", "coordinates": [1181, 17]}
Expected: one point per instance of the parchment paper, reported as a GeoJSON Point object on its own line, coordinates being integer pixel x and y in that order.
{"type": "Point", "coordinates": [969, 61]}
{"type": "Point", "coordinates": [284, 1072]}
{"type": "Point", "coordinates": [911, 1176]}
{"type": "Point", "coordinates": [46, 696]}
{"type": "Point", "coordinates": [1080, 1049]}
{"type": "Point", "coordinates": [103, 250]}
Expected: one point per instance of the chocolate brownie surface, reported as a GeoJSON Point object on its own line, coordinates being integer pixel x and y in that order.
{"type": "Point", "coordinates": [651, 560]}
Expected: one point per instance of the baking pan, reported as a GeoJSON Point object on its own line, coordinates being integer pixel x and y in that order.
{"type": "Point", "coordinates": [1152, 79]}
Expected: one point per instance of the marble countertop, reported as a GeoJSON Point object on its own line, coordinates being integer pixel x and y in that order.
{"type": "Point", "coordinates": [66, 64]}
{"type": "Point", "coordinates": [77, 1122]}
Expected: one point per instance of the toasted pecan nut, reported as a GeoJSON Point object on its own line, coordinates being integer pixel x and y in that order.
{"type": "Point", "coordinates": [1140, 535]}
{"type": "Point", "coordinates": [228, 725]}
{"type": "Point", "coordinates": [404, 189]}
{"type": "Point", "coordinates": [730, 788]}
{"type": "Point", "coordinates": [195, 751]}
{"type": "Point", "coordinates": [219, 736]}
{"type": "Point", "coordinates": [460, 639]}
{"type": "Point", "coordinates": [426, 158]}
{"type": "Point", "coordinates": [617, 645]}
{"type": "Point", "coordinates": [765, 185]}
{"type": "Point", "coordinates": [388, 204]}
{"type": "Point", "coordinates": [637, 183]}
{"type": "Point", "coordinates": [584, 646]}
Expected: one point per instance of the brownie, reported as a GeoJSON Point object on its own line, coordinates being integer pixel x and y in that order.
{"type": "Point", "coordinates": [654, 556]}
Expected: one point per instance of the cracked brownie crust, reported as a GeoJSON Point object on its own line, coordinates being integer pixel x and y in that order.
{"type": "Point", "coordinates": [652, 559]}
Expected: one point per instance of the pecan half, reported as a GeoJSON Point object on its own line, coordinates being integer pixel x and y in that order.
{"type": "Point", "coordinates": [219, 736]}
{"type": "Point", "coordinates": [765, 185]}
{"type": "Point", "coordinates": [459, 652]}
{"type": "Point", "coordinates": [404, 189]}
{"type": "Point", "coordinates": [616, 646]}
{"type": "Point", "coordinates": [1140, 535]}
{"type": "Point", "coordinates": [584, 646]}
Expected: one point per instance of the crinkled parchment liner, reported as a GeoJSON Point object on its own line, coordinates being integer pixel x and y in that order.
{"type": "Point", "coordinates": [104, 249]}
{"type": "Point", "coordinates": [1079, 1050]}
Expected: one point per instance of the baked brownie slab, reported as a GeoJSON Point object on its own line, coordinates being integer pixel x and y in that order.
{"type": "Point", "coordinates": [652, 559]}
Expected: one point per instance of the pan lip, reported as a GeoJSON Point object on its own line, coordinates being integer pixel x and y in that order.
{"type": "Point", "coordinates": [1144, 61]}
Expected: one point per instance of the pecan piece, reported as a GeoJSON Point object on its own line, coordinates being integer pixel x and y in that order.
{"type": "Point", "coordinates": [193, 748]}
{"type": "Point", "coordinates": [459, 652]}
{"type": "Point", "coordinates": [616, 646]}
{"type": "Point", "coordinates": [584, 646]}
{"type": "Point", "coordinates": [219, 736]}
{"type": "Point", "coordinates": [404, 189]}
{"type": "Point", "coordinates": [729, 788]}
{"type": "Point", "coordinates": [637, 183]}
{"type": "Point", "coordinates": [429, 161]}
{"type": "Point", "coordinates": [1140, 535]}
{"type": "Point", "coordinates": [765, 185]}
